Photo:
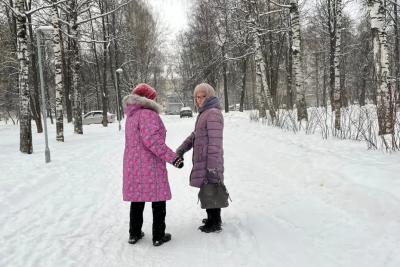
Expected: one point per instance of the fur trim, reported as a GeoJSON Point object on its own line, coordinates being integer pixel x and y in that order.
{"type": "Point", "coordinates": [142, 101]}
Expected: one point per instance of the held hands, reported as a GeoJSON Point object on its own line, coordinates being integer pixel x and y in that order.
{"type": "Point", "coordinates": [178, 162]}
{"type": "Point", "coordinates": [179, 153]}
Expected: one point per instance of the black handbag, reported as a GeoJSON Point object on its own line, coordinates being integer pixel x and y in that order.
{"type": "Point", "coordinates": [213, 196]}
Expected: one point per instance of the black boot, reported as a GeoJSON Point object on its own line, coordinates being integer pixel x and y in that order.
{"type": "Point", "coordinates": [136, 222]}
{"type": "Point", "coordinates": [162, 240]}
{"type": "Point", "coordinates": [213, 222]}
{"type": "Point", "coordinates": [159, 235]}
{"type": "Point", "coordinates": [135, 238]}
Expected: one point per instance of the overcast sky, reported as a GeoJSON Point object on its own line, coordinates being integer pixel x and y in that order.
{"type": "Point", "coordinates": [172, 13]}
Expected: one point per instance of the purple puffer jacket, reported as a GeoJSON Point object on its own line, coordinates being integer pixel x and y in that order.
{"type": "Point", "coordinates": [207, 143]}
{"type": "Point", "coordinates": [145, 177]}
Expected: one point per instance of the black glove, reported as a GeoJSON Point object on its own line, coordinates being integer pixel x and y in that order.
{"type": "Point", "coordinates": [179, 153]}
{"type": "Point", "coordinates": [178, 162]}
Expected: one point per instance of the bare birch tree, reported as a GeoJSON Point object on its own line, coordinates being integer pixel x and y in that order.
{"type": "Point", "coordinates": [264, 94]}
{"type": "Point", "coordinates": [58, 74]}
{"type": "Point", "coordinates": [385, 101]}
{"type": "Point", "coordinates": [337, 90]}
{"type": "Point", "coordinates": [297, 62]}
{"type": "Point", "coordinates": [23, 82]}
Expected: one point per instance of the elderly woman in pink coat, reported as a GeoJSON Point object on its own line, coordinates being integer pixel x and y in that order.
{"type": "Point", "coordinates": [145, 177]}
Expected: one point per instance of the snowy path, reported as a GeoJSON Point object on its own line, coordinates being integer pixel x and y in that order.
{"type": "Point", "coordinates": [297, 201]}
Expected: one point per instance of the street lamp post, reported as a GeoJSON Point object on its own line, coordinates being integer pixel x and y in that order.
{"type": "Point", "coordinates": [118, 72]}
{"type": "Point", "coordinates": [40, 31]}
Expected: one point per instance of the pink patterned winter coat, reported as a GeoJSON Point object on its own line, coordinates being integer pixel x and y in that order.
{"type": "Point", "coordinates": [145, 177]}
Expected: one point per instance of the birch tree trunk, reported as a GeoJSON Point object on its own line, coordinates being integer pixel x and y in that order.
{"type": "Point", "coordinates": [68, 92]}
{"type": "Point", "coordinates": [75, 69]}
{"type": "Point", "coordinates": [337, 91]}
{"type": "Point", "coordinates": [384, 96]}
{"type": "Point", "coordinates": [332, 46]}
{"type": "Point", "coordinates": [317, 78]}
{"type": "Point", "coordinates": [289, 72]}
{"type": "Point", "coordinates": [58, 75]}
{"type": "Point", "coordinates": [396, 52]}
{"type": "Point", "coordinates": [297, 69]}
{"type": "Point", "coordinates": [24, 99]}
{"type": "Point", "coordinates": [264, 95]}
{"type": "Point", "coordinates": [263, 92]}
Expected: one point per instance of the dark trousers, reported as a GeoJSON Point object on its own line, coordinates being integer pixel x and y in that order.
{"type": "Point", "coordinates": [136, 218]}
{"type": "Point", "coordinates": [214, 216]}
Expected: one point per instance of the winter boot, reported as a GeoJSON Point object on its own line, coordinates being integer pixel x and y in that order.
{"type": "Point", "coordinates": [159, 235]}
{"type": "Point", "coordinates": [213, 222]}
{"type": "Point", "coordinates": [213, 213]}
{"type": "Point", "coordinates": [211, 228]}
{"type": "Point", "coordinates": [133, 239]}
{"type": "Point", "coordinates": [162, 240]}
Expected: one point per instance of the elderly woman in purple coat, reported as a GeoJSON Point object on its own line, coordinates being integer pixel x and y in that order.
{"type": "Point", "coordinates": [145, 177]}
{"type": "Point", "coordinates": [207, 143]}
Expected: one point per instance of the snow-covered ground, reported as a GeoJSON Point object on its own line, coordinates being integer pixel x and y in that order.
{"type": "Point", "coordinates": [298, 200]}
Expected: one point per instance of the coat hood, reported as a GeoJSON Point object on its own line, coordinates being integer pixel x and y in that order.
{"type": "Point", "coordinates": [134, 102]}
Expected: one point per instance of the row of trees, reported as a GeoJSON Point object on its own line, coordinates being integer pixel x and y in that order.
{"type": "Point", "coordinates": [268, 55]}
{"type": "Point", "coordinates": [90, 40]}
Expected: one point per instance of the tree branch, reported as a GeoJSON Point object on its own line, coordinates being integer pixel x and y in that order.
{"type": "Point", "coordinates": [280, 5]}
{"type": "Point", "coordinates": [43, 7]}
{"type": "Point", "coordinates": [103, 15]}
{"type": "Point", "coordinates": [13, 10]}
{"type": "Point", "coordinates": [271, 12]}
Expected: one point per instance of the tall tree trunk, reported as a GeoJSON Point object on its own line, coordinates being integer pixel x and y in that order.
{"type": "Point", "coordinates": [297, 60]}
{"type": "Point", "coordinates": [244, 77]}
{"type": "Point", "coordinates": [23, 81]}
{"type": "Point", "coordinates": [317, 78]}
{"type": "Point", "coordinates": [363, 85]}
{"type": "Point", "coordinates": [337, 60]}
{"type": "Point", "coordinates": [254, 82]}
{"type": "Point", "coordinates": [58, 75]}
{"type": "Point", "coordinates": [104, 98]}
{"type": "Point", "coordinates": [97, 65]}
{"type": "Point", "coordinates": [68, 77]}
{"type": "Point", "coordinates": [384, 88]}
{"type": "Point", "coordinates": [324, 84]}
{"type": "Point", "coordinates": [332, 43]}
{"type": "Point", "coordinates": [35, 103]}
{"type": "Point", "coordinates": [111, 67]}
{"type": "Point", "coordinates": [264, 95]}
{"type": "Point", "coordinates": [396, 52]}
{"type": "Point", "coordinates": [263, 91]}
{"type": "Point", "coordinates": [224, 73]}
{"type": "Point", "coordinates": [76, 68]}
{"type": "Point", "coordinates": [116, 55]}
{"type": "Point", "coordinates": [289, 72]}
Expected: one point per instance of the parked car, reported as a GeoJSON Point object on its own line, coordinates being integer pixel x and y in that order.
{"type": "Point", "coordinates": [172, 108]}
{"type": "Point", "coordinates": [96, 116]}
{"type": "Point", "coordinates": [186, 112]}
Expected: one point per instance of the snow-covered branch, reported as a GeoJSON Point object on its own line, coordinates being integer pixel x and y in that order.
{"type": "Point", "coordinates": [30, 12]}
{"type": "Point", "coordinates": [271, 12]}
{"type": "Point", "coordinates": [13, 10]}
{"type": "Point", "coordinates": [103, 15]}
{"type": "Point", "coordinates": [280, 5]}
